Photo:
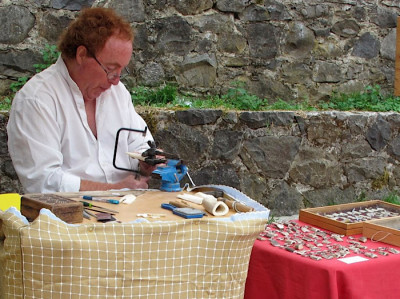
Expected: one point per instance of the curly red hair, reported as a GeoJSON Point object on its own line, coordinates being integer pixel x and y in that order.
{"type": "Point", "coordinates": [91, 29]}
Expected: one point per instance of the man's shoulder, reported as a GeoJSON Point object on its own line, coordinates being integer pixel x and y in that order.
{"type": "Point", "coordinates": [41, 83]}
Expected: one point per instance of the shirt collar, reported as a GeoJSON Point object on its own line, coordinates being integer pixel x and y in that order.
{"type": "Point", "coordinates": [63, 70]}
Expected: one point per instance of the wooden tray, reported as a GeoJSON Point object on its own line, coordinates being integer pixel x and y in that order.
{"type": "Point", "coordinates": [66, 209]}
{"type": "Point", "coordinates": [383, 230]}
{"type": "Point", "coordinates": [314, 216]}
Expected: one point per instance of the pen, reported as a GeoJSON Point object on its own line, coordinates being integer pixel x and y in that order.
{"type": "Point", "coordinates": [113, 201]}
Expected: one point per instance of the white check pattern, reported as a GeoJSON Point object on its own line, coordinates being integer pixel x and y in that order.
{"type": "Point", "coordinates": [196, 258]}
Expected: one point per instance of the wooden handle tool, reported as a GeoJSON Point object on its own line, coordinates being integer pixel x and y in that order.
{"type": "Point", "coordinates": [235, 205]}
{"type": "Point", "coordinates": [179, 204]}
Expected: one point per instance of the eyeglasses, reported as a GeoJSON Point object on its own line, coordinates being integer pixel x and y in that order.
{"type": "Point", "coordinates": [111, 76]}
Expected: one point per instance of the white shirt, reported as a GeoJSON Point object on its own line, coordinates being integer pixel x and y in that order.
{"type": "Point", "coordinates": [51, 144]}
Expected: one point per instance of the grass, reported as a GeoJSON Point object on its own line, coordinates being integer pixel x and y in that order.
{"type": "Point", "coordinates": [371, 99]}
{"type": "Point", "coordinates": [392, 198]}
{"type": "Point", "coordinates": [167, 96]}
{"type": "Point", "coordinates": [236, 98]}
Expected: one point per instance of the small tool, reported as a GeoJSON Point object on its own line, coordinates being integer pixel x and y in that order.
{"type": "Point", "coordinates": [89, 213]}
{"type": "Point", "coordinates": [171, 171]}
{"type": "Point", "coordinates": [98, 210]}
{"type": "Point", "coordinates": [171, 174]}
{"type": "Point", "coordinates": [86, 215]}
{"type": "Point", "coordinates": [128, 199]}
{"type": "Point", "coordinates": [150, 215]}
{"type": "Point", "coordinates": [153, 156]}
{"type": "Point", "coordinates": [113, 201]}
{"type": "Point", "coordinates": [94, 207]}
{"type": "Point", "coordinates": [235, 205]}
{"type": "Point", "coordinates": [182, 204]}
{"type": "Point", "coordinates": [183, 212]}
{"type": "Point", "coordinates": [104, 217]}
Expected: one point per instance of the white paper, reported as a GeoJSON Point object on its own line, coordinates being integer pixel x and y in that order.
{"type": "Point", "coordinates": [353, 259]}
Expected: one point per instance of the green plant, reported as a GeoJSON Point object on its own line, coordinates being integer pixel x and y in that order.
{"type": "Point", "coordinates": [191, 102]}
{"type": "Point", "coordinates": [381, 181]}
{"type": "Point", "coordinates": [306, 202]}
{"type": "Point", "coordinates": [361, 197]}
{"type": "Point", "coordinates": [371, 99]}
{"type": "Point", "coordinates": [271, 218]}
{"type": "Point", "coordinates": [331, 202]}
{"type": "Point", "coordinates": [5, 103]}
{"type": "Point", "coordinates": [392, 198]}
{"type": "Point", "coordinates": [49, 55]}
{"type": "Point", "coordinates": [284, 105]}
{"type": "Point", "coordinates": [15, 86]}
{"type": "Point", "coordinates": [239, 98]}
{"type": "Point", "coordinates": [146, 96]}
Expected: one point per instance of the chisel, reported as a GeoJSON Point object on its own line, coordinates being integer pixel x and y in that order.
{"type": "Point", "coordinates": [91, 206]}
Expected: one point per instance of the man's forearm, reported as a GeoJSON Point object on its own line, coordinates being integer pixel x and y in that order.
{"type": "Point", "coordinates": [92, 186]}
{"type": "Point", "coordinates": [130, 182]}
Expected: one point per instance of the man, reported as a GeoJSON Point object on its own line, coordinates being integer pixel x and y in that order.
{"type": "Point", "coordinates": [63, 122]}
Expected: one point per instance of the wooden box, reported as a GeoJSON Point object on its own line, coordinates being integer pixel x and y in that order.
{"type": "Point", "coordinates": [64, 208]}
{"type": "Point", "coordinates": [383, 230]}
{"type": "Point", "coordinates": [315, 216]}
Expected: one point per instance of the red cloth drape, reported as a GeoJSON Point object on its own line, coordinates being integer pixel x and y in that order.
{"type": "Point", "coordinates": [276, 273]}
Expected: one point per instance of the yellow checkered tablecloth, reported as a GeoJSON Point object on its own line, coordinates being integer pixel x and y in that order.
{"type": "Point", "coordinates": [194, 258]}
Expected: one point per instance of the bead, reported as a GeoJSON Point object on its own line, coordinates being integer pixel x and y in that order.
{"type": "Point", "coordinates": [363, 239]}
{"type": "Point", "coordinates": [274, 242]}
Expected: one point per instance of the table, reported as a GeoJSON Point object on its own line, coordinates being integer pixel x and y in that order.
{"type": "Point", "coordinates": [147, 202]}
{"type": "Point", "coordinates": [276, 273]}
{"type": "Point", "coordinates": [173, 258]}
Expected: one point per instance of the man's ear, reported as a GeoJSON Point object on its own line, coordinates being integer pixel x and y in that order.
{"type": "Point", "coordinates": [81, 54]}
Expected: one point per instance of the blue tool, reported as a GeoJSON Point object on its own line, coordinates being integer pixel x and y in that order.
{"type": "Point", "coordinates": [113, 201]}
{"type": "Point", "coordinates": [183, 212]}
{"type": "Point", "coordinates": [171, 174]}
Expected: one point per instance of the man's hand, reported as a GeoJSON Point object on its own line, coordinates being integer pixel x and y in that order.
{"type": "Point", "coordinates": [133, 181]}
{"type": "Point", "coordinates": [146, 169]}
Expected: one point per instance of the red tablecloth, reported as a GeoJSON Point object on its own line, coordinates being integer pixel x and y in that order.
{"type": "Point", "coordinates": [277, 273]}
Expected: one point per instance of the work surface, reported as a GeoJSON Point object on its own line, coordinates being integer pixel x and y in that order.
{"type": "Point", "coordinates": [179, 258]}
{"type": "Point", "coordinates": [148, 203]}
{"type": "Point", "coordinates": [275, 273]}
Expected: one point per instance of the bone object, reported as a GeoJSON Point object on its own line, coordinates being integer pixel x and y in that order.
{"type": "Point", "coordinates": [215, 207]}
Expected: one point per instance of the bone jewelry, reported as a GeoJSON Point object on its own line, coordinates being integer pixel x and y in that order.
{"type": "Point", "coordinates": [316, 244]}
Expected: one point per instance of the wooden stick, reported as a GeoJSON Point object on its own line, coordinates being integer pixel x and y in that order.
{"type": "Point", "coordinates": [397, 61]}
{"type": "Point", "coordinates": [235, 205]}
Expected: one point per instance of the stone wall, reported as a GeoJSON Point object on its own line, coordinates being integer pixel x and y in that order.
{"type": "Point", "coordinates": [288, 49]}
{"type": "Point", "coordinates": [8, 178]}
{"type": "Point", "coordinates": [284, 160]}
